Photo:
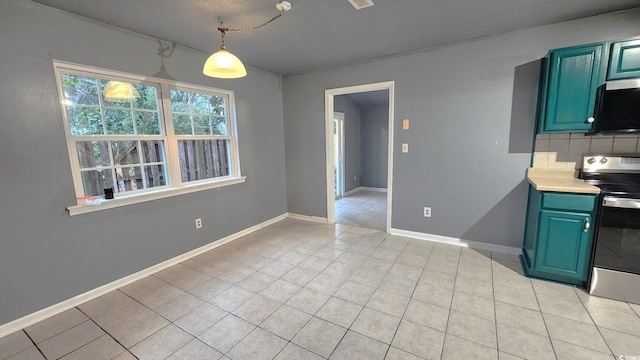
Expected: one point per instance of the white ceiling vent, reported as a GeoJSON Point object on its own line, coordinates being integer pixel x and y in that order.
{"type": "Point", "coordinates": [361, 4]}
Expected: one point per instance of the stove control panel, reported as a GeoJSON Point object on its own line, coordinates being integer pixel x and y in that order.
{"type": "Point", "coordinates": [611, 163]}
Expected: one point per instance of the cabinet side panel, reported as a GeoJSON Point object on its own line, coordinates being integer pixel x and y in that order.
{"type": "Point", "coordinates": [531, 227]}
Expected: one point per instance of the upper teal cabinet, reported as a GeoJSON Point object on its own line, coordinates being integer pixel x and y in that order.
{"type": "Point", "coordinates": [625, 60]}
{"type": "Point", "coordinates": [568, 88]}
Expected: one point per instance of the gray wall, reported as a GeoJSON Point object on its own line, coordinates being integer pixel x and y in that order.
{"type": "Point", "coordinates": [459, 100]}
{"type": "Point", "coordinates": [352, 164]}
{"type": "Point", "coordinates": [374, 137]}
{"type": "Point", "coordinates": [45, 255]}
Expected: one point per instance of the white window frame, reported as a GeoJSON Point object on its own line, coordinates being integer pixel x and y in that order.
{"type": "Point", "coordinates": [174, 186]}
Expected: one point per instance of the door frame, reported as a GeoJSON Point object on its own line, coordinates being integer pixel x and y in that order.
{"type": "Point", "coordinates": [339, 116]}
{"type": "Point", "coordinates": [329, 94]}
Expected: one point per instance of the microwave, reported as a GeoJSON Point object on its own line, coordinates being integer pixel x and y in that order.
{"type": "Point", "coordinates": [617, 108]}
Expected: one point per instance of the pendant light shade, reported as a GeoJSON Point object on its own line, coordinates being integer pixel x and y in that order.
{"type": "Point", "coordinates": [119, 90]}
{"type": "Point", "coordinates": [224, 65]}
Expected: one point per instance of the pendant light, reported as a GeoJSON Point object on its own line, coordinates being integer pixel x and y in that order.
{"type": "Point", "coordinates": [223, 64]}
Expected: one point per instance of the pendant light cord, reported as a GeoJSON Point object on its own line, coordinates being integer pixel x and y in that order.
{"type": "Point", "coordinates": [224, 30]}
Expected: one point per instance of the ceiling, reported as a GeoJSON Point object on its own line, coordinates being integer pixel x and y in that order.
{"type": "Point", "coordinates": [318, 34]}
{"type": "Point", "coordinates": [370, 98]}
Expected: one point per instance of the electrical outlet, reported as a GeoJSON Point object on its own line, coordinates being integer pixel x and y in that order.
{"type": "Point", "coordinates": [427, 211]}
{"type": "Point", "coordinates": [199, 223]}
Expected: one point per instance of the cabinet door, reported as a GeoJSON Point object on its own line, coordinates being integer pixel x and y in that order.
{"type": "Point", "coordinates": [625, 60]}
{"type": "Point", "coordinates": [563, 243]}
{"type": "Point", "coordinates": [574, 76]}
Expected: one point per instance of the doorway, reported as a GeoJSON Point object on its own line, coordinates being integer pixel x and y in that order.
{"type": "Point", "coordinates": [335, 152]}
{"type": "Point", "coordinates": [338, 142]}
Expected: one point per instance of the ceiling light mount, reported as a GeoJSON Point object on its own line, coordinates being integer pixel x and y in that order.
{"type": "Point", "coordinates": [224, 64]}
{"type": "Point", "coordinates": [164, 52]}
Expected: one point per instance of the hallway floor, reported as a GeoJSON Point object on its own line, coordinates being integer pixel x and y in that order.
{"type": "Point", "coordinates": [302, 290]}
{"type": "Point", "coordinates": [363, 208]}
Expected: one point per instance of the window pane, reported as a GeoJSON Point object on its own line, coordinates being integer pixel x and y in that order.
{"type": "Point", "coordinates": [129, 179]}
{"type": "Point", "coordinates": [84, 120]}
{"type": "Point", "coordinates": [182, 124]}
{"type": "Point", "coordinates": [200, 103]}
{"type": "Point", "coordinates": [118, 122]}
{"type": "Point", "coordinates": [218, 106]}
{"type": "Point", "coordinates": [148, 97]}
{"type": "Point", "coordinates": [80, 90]}
{"type": "Point", "coordinates": [203, 159]}
{"type": "Point", "coordinates": [156, 175]}
{"type": "Point", "coordinates": [147, 123]}
{"type": "Point", "coordinates": [93, 153]}
{"type": "Point", "coordinates": [201, 125]}
{"type": "Point", "coordinates": [207, 112]}
{"type": "Point", "coordinates": [179, 101]}
{"type": "Point", "coordinates": [219, 125]}
{"type": "Point", "coordinates": [152, 151]}
{"type": "Point", "coordinates": [125, 152]}
{"type": "Point", "coordinates": [95, 182]}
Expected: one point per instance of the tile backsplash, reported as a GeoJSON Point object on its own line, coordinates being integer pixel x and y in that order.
{"type": "Point", "coordinates": [565, 151]}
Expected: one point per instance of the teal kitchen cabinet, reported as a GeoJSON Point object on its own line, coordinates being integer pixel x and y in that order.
{"type": "Point", "coordinates": [568, 87]}
{"type": "Point", "coordinates": [625, 60]}
{"type": "Point", "coordinates": [559, 236]}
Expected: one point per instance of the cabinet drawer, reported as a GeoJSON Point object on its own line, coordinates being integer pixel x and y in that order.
{"type": "Point", "coordinates": [570, 202]}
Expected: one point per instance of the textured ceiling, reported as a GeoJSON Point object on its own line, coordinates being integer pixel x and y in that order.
{"type": "Point", "coordinates": [318, 34]}
{"type": "Point", "coordinates": [370, 98]}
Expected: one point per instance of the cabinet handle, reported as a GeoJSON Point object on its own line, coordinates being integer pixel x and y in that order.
{"type": "Point", "coordinates": [587, 225]}
{"type": "Point", "coordinates": [590, 120]}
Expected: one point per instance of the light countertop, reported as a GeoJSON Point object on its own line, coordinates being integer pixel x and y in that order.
{"type": "Point", "coordinates": [559, 180]}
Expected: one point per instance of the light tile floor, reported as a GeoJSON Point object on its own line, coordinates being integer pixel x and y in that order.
{"type": "Point", "coordinates": [302, 290]}
{"type": "Point", "coordinates": [363, 208]}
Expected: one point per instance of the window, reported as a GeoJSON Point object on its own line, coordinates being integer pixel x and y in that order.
{"type": "Point", "coordinates": [163, 136]}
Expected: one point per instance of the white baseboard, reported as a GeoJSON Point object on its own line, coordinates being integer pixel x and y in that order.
{"type": "Point", "coordinates": [308, 218]}
{"type": "Point", "coordinates": [364, 188]}
{"type": "Point", "coordinates": [351, 192]}
{"type": "Point", "coordinates": [45, 313]}
{"type": "Point", "coordinates": [459, 242]}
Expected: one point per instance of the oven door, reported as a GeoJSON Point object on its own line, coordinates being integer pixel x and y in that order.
{"type": "Point", "coordinates": [618, 242]}
{"type": "Point", "coordinates": [616, 264]}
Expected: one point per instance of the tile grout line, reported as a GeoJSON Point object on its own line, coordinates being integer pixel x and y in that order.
{"type": "Point", "coordinates": [495, 309]}
{"type": "Point", "coordinates": [105, 331]}
{"type": "Point", "coordinates": [414, 289]}
{"type": "Point", "coordinates": [34, 344]}
{"type": "Point", "coordinates": [544, 321]}
{"type": "Point", "coordinates": [594, 323]}
{"type": "Point", "coordinates": [451, 306]}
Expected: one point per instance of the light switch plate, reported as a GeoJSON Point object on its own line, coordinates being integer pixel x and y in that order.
{"type": "Point", "coordinates": [405, 148]}
{"type": "Point", "coordinates": [405, 124]}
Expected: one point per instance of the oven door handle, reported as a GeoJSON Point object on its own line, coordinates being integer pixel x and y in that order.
{"type": "Point", "coordinates": [614, 202]}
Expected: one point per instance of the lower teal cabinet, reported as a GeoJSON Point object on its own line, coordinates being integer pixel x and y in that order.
{"type": "Point", "coordinates": [563, 243]}
{"type": "Point", "coordinates": [559, 236]}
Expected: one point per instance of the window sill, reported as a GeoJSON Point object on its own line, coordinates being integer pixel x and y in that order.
{"type": "Point", "coordinates": [160, 194]}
